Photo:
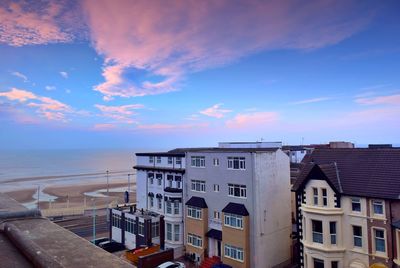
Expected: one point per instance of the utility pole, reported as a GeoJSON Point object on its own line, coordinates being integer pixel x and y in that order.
{"type": "Point", "coordinates": [107, 184]}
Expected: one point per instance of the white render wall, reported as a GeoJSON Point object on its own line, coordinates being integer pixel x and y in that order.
{"type": "Point", "coordinates": [271, 218]}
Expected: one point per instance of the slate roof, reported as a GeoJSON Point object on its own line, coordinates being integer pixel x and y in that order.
{"type": "Point", "coordinates": [198, 202]}
{"type": "Point", "coordinates": [357, 172]}
{"type": "Point", "coordinates": [235, 208]}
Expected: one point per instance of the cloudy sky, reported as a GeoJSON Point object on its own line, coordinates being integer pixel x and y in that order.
{"type": "Point", "coordinates": [161, 74]}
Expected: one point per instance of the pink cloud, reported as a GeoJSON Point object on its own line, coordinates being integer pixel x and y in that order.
{"type": "Point", "coordinates": [20, 75]}
{"type": "Point", "coordinates": [215, 111]}
{"type": "Point", "coordinates": [172, 126]}
{"type": "Point", "coordinates": [25, 24]}
{"type": "Point", "coordinates": [169, 39]}
{"type": "Point", "coordinates": [313, 100]}
{"type": "Point", "coordinates": [391, 99]}
{"type": "Point", "coordinates": [122, 113]}
{"type": "Point", "coordinates": [252, 120]}
{"type": "Point", "coordinates": [45, 107]}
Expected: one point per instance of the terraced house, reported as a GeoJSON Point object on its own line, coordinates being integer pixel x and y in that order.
{"type": "Point", "coordinates": [348, 208]}
{"type": "Point", "coordinates": [238, 204]}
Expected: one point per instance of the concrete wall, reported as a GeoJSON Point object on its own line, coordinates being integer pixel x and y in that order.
{"type": "Point", "coordinates": [271, 211]}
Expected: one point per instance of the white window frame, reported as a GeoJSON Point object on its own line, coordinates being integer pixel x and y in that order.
{"type": "Point", "coordinates": [194, 240]}
{"type": "Point", "coordinates": [141, 228]}
{"type": "Point", "coordinates": [177, 232]}
{"type": "Point", "coordinates": [151, 201]}
{"type": "Point", "coordinates": [324, 194]}
{"type": "Point", "coordinates": [176, 208]}
{"type": "Point", "coordinates": [315, 196]}
{"type": "Point", "coordinates": [178, 160]}
{"type": "Point", "coordinates": [159, 203]}
{"type": "Point", "coordinates": [151, 159]}
{"type": "Point", "coordinates": [239, 161]}
{"type": "Point", "coordinates": [217, 215]}
{"type": "Point", "coordinates": [150, 176]}
{"type": "Point", "coordinates": [198, 186]}
{"type": "Point", "coordinates": [233, 221]}
{"type": "Point", "coordinates": [198, 161]}
{"type": "Point", "coordinates": [216, 162]}
{"type": "Point", "coordinates": [155, 229]}
{"type": "Point", "coordinates": [216, 188]}
{"type": "Point", "coordinates": [375, 202]}
{"type": "Point", "coordinates": [315, 233]}
{"type": "Point", "coordinates": [168, 207]}
{"type": "Point", "coordinates": [194, 213]}
{"type": "Point", "coordinates": [356, 200]}
{"type": "Point", "coordinates": [170, 160]}
{"type": "Point", "coordinates": [158, 159]}
{"type": "Point", "coordinates": [374, 237]}
{"type": "Point", "coordinates": [333, 236]}
{"type": "Point", "coordinates": [242, 190]}
{"type": "Point", "coordinates": [234, 253]}
{"type": "Point", "coordinates": [168, 233]}
{"type": "Point", "coordinates": [360, 238]}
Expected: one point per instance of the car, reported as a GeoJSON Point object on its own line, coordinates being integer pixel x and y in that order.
{"type": "Point", "coordinates": [97, 241]}
{"type": "Point", "coordinates": [170, 264]}
{"type": "Point", "coordinates": [111, 246]}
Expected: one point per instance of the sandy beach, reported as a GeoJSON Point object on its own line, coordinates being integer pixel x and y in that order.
{"type": "Point", "coordinates": [74, 195]}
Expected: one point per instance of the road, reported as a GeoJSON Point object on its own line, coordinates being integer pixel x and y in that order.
{"type": "Point", "coordinates": [83, 226]}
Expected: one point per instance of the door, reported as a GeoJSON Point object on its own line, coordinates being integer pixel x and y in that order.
{"type": "Point", "coordinates": [218, 248]}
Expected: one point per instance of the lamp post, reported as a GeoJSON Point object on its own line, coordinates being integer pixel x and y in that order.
{"type": "Point", "coordinates": [129, 182]}
{"type": "Point", "coordinates": [107, 183]}
{"type": "Point", "coordinates": [38, 196]}
{"type": "Point", "coordinates": [94, 220]}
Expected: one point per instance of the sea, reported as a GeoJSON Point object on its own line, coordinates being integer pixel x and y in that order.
{"type": "Point", "coordinates": [27, 169]}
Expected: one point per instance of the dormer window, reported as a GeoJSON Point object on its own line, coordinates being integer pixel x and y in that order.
{"type": "Point", "coordinates": [324, 197]}
{"type": "Point", "coordinates": [377, 207]}
{"type": "Point", "coordinates": [356, 205]}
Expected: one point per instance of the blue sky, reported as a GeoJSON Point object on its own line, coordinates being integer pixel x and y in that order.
{"type": "Point", "coordinates": [107, 75]}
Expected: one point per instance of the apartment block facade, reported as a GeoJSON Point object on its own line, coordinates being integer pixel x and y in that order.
{"type": "Point", "coordinates": [238, 205]}
{"type": "Point", "coordinates": [159, 181]}
{"type": "Point", "coordinates": [348, 208]}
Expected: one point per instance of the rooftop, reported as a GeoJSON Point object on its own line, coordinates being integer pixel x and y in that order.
{"type": "Point", "coordinates": [357, 172]}
{"type": "Point", "coordinates": [29, 240]}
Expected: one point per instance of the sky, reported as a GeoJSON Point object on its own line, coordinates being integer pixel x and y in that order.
{"type": "Point", "coordinates": [166, 74]}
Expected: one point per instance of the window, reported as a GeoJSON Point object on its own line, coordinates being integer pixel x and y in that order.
{"type": "Point", "coordinates": [129, 225]}
{"type": "Point", "coordinates": [198, 186]}
{"type": "Point", "coordinates": [334, 264]}
{"type": "Point", "coordinates": [198, 161]}
{"type": "Point", "coordinates": [176, 232]}
{"type": "Point", "coordinates": [235, 221]}
{"type": "Point", "coordinates": [151, 159]}
{"type": "Point", "coordinates": [170, 160]}
{"type": "Point", "coordinates": [194, 240]}
{"type": "Point", "coordinates": [216, 162]}
{"type": "Point", "coordinates": [332, 230]}
{"type": "Point", "coordinates": [141, 228]}
{"type": "Point", "coordinates": [216, 187]}
{"type": "Point", "coordinates": [217, 215]}
{"type": "Point", "coordinates": [155, 229]}
{"type": "Point", "coordinates": [159, 203]}
{"type": "Point", "coordinates": [318, 263]}
{"type": "Point", "coordinates": [317, 231]}
{"type": "Point", "coordinates": [158, 159]}
{"type": "Point", "coordinates": [178, 160]}
{"type": "Point", "coordinates": [151, 201]}
{"type": "Point", "coordinates": [178, 180]}
{"type": "Point", "coordinates": [234, 252]}
{"type": "Point", "coordinates": [169, 207]}
{"type": "Point", "coordinates": [176, 207]}
{"type": "Point", "coordinates": [194, 212]}
{"type": "Point", "coordinates": [357, 236]}
{"type": "Point", "coordinates": [150, 176]}
{"type": "Point", "coordinates": [324, 197]}
{"type": "Point", "coordinates": [377, 207]}
{"type": "Point", "coordinates": [116, 220]}
{"type": "Point", "coordinates": [380, 245]}
{"type": "Point", "coordinates": [169, 231]}
{"type": "Point", "coordinates": [356, 204]}
{"type": "Point", "coordinates": [237, 190]}
{"type": "Point", "coordinates": [236, 163]}
{"type": "Point", "coordinates": [170, 179]}
{"type": "Point", "coordinates": [159, 178]}
{"type": "Point", "coordinates": [315, 196]}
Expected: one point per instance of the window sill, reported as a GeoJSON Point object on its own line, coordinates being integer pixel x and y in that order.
{"type": "Point", "coordinates": [199, 219]}
{"type": "Point", "coordinates": [237, 228]}
{"type": "Point", "coordinates": [233, 259]}
{"type": "Point", "coordinates": [379, 255]}
{"type": "Point", "coordinates": [195, 246]}
{"type": "Point", "coordinates": [241, 197]}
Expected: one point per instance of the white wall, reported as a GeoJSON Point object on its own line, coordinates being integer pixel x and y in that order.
{"type": "Point", "coordinates": [272, 209]}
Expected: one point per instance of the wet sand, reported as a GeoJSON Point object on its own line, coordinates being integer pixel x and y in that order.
{"type": "Point", "coordinates": [73, 195]}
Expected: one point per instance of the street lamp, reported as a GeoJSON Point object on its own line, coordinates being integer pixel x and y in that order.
{"type": "Point", "coordinates": [94, 220]}
{"type": "Point", "coordinates": [107, 183]}
{"type": "Point", "coordinates": [129, 182]}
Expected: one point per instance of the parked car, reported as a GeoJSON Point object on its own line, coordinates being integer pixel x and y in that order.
{"type": "Point", "coordinates": [170, 264]}
{"type": "Point", "coordinates": [111, 246]}
{"type": "Point", "coordinates": [97, 241]}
